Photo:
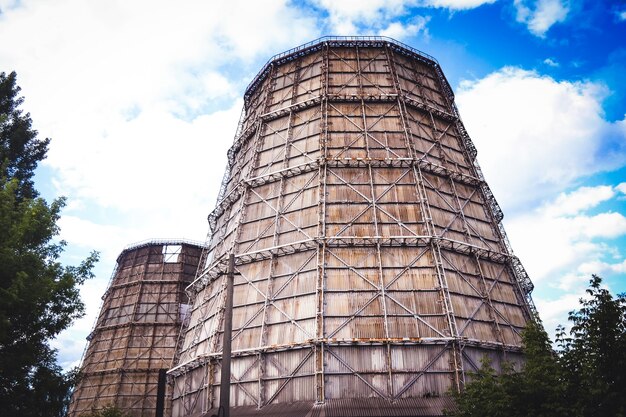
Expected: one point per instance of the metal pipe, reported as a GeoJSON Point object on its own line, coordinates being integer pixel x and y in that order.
{"type": "Point", "coordinates": [160, 405]}
{"type": "Point", "coordinates": [227, 343]}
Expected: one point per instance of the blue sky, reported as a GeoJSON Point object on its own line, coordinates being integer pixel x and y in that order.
{"type": "Point", "coordinates": [141, 99]}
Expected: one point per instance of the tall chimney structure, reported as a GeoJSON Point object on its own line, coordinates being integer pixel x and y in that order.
{"type": "Point", "coordinates": [372, 271]}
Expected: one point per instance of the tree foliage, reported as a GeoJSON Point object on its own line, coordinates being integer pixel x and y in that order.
{"type": "Point", "coordinates": [39, 297]}
{"type": "Point", "coordinates": [584, 377]}
{"type": "Point", "coordinates": [593, 356]}
{"type": "Point", "coordinates": [109, 411]}
{"type": "Point", "coordinates": [20, 150]}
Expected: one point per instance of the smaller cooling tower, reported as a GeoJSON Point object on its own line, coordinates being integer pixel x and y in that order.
{"type": "Point", "coordinates": [137, 331]}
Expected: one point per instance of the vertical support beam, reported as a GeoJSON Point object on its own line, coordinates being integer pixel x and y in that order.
{"type": "Point", "coordinates": [320, 391]}
{"type": "Point", "coordinates": [160, 404]}
{"type": "Point", "coordinates": [208, 382]}
{"type": "Point", "coordinates": [133, 317]}
{"type": "Point", "coordinates": [227, 343]}
{"type": "Point", "coordinates": [446, 301]}
{"type": "Point", "coordinates": [291, 120]}
{"type": "Point", "coordinates": [486, 294]}
{"type": "Point", "coordinates": [381, 278]}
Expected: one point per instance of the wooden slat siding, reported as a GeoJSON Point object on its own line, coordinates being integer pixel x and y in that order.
{"type": "Point", "coordinates": [371, 262]}
{"type": "Point", "coordinates": [137, 330]}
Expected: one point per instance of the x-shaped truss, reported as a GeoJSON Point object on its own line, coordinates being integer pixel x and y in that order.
{"type": "Point", "coordinates": [380, 291]}
{"type": "Point", "coordinates": [459, 213]}
{"type": "Point", "coordinates": [280, 156]}
{"type": "Point", "coordinates": [484, 296]}
{"type": "Point", "coordinates": [371, 203]}
{"type": "Point", "coordinates": [271, 297]}
{"type": "Point", "coordinates": [252, 284]}
{"type": "Point", "coordinates": [279, 213]}
{"type": "Point", "coordinates": [357, 72]}
{"type": "Point", "coordinates": [365, 131]}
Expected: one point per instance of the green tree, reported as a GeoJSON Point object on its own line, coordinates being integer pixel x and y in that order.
{"type": "Point", "coordinates": [539, 388]}
{"type": "Point", "coordinates": [20, 150]}
{"type": "Point", "coordinates": [584, 377]}
{"type": "Point", "coordinates": [487, 394]}
{"type": "Point", "coordinates": [109, 411]}
{"type": "Point", "coordinates": [39, 297]}
{"type": "Point", "coordinates": [593, 356]}
{"type": "Point", "coordinates": [536, 390]}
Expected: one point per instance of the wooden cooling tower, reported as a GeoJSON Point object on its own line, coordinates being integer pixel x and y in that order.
{"type": "Point", "coordinates": [372, 270]}
{"type": "Point", "coordinates": [137, 331]}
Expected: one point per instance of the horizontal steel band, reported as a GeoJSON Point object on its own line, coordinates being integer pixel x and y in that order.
{"type": "Point", "coordinates": [174, 324]}
{"type": "Point", "coordinates": [203, 359]}
{"type": "Point", "coordinates": [120, 371]}
{"type": "Point", "coordinates": [156, 242]}
{"type": "Point", "coordinates": [493, 203]}
{"type": "Point", "coordinates": [283, 173]}
{"type": "Point", "coordinates": [228, 200]}
{"type": "Point", "coordinates": [342, 42]}
{"type": "Point", "coordinates": [218, 267]}
{"type": "Point", "coordinates": [284, 111]}
{"type": "Point", "coordinates": [423, 164]}
{"type": "Point", "coordinates": [143, 281]}
{"type": "Point", "coordinates": [429, 109]}
{"type": "Point", "coordinates": [426, 166]}
{"type": "Point", "coordinates": [239, 141]}
{"type": "Point", "coordinates": [343, 98]}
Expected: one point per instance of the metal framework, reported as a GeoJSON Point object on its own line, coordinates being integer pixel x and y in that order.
{"type": "Point", "coordinates": [371, 262]}
{"type": "Point", "coordinates": [138, 328]}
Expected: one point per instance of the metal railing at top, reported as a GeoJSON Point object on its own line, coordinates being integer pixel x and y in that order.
{"type": "Point", "coordinates": [319, 41]}
{"type": "Point", "coordinates": [150, 242]}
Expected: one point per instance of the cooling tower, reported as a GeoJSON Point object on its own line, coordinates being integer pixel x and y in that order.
{"type": "Point", "coordinates": [372, 271]}
{"type": "Point", "coordinates": [138, 328]}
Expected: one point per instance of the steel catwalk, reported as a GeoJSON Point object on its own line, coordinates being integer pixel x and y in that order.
{"type": "Point", "coordinates": [370, 258]}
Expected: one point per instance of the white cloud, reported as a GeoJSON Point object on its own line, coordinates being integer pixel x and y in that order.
{"type": "Point", "coordinates": [553, 312]}
{"type": "Point", "coordinates": [540, 15]}
{"type": "Point", "coordinates": [344, 16]}
{"type": "Point", "coordinates": [581, 199]}
{"type": "Point", "coordinates": [536, 136]}
{"type": "Point", "coordinates": [558, 240]}
{"type": "Point", "coordinates": [128, 90]}
{"type": "Point", "coordinates": [81, 232]}
{"type": "Point", "coordinates": [551, 62]}
{"type": "Point", "coordinates": [137, 52]}
{"type": "Point", "coordinates": [130, 93]}
{"type": "Point", "coordinates": [603, 268]}
{"type": "Point", "coordinates": [366, 17]}
{"type": "Point", "coordinates": [5, 5]}
{"type": "Point", "coordinates": [71, 343]}
{"type": "Point", "coordinates": [622, 15]}
{"type": "Point", "coordinates": [457, 4]}
{"type": "Point", "coordinates": [537, 140]}
{"type": "Point", "coordinates": [379, 17]}
{"type": "Point", "coordinates": [550, 245]}
{"type": "Point", "coordinates": [367, 10]}
{"type": "Point", "coordinates": [400, 31]}
{"type": "Point", "coordinates": [153, 158]}
{"type": "Point", "coordinates": [562, 244]}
